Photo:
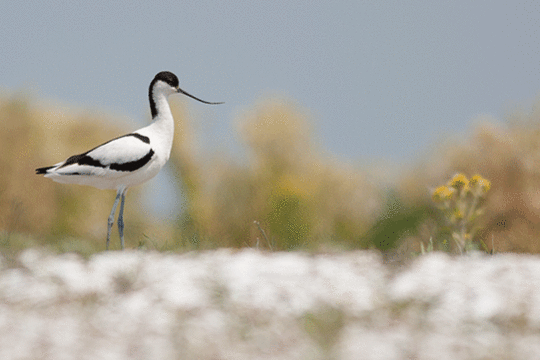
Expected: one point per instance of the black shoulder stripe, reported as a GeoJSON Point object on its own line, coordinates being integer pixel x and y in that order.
{"type": "Point", "coordinates": [144, 139]}
{"type": "Point", "coordinates": [133, 165]}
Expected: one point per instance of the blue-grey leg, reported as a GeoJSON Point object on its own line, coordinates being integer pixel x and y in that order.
{"type": "Point", "coordinates": [110, 222]}
{"type": "Point", "coordinates": [121, 218]}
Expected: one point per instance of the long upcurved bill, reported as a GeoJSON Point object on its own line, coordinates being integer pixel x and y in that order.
{"type": "Point", "coordinates": [196, 98]}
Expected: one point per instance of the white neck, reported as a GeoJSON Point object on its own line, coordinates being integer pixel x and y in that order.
{"type": "Point", "coordinates": [162, 126]}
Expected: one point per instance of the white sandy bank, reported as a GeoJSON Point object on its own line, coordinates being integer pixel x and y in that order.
{"type": "Point", "coordinates": [250, 305]}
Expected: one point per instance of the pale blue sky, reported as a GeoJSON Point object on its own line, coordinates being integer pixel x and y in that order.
{"type": "Point", "coordinates": [384, 79]}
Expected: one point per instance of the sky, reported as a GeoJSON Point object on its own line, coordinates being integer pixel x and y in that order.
{"type": "Point", "coordinates": [381, 79]}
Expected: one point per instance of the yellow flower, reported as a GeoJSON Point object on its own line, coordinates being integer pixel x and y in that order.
{"type": "Point", "coordinates": [481, 183]}
{"type": "Point", "coordinates": [457, 214]}
{"type": "Point", "coordinates": [442, 193]}
{"type": "Point", "coordinates": [459, 181]}
{"type": "Point", "coordinates": [476, 179]}
{"type": "Point", "coordinates": [486, 185]}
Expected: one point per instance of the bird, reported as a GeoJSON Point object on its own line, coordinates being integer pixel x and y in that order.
{"type": "Point", "coordinates": [130, 159]}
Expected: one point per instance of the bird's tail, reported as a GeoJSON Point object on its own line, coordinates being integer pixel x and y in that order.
{"type": "Point", "coordinates": [43, 170]}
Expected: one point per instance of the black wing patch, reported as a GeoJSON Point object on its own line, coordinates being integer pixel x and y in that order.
{"type": "Point", "coordinates": [133, 165]}
{"type": "Point", "coordinates": [82, 159]}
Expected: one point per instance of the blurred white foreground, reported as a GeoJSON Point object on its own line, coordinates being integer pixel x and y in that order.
{"type": "Point", "coordinates": [251, 305]}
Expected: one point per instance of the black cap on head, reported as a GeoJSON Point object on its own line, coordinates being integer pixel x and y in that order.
{"type": "Point", "coordinates": [167, 77]}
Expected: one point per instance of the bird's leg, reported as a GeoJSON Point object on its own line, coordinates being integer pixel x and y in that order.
{"type": "Point", "coordinates": [110, 222]}
{"type": "Point", "coordinates": [121, 218]}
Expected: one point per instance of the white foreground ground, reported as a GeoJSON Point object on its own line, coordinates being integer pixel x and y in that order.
{"type": "Point", "coordinates": [251, 305]}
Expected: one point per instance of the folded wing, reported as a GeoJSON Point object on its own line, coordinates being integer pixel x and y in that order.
{"type": "Point", "coordinates": [122, 155]}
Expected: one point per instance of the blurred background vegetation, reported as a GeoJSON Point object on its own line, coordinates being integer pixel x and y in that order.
{"type": "Point", "coordinates": [289, 193]}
